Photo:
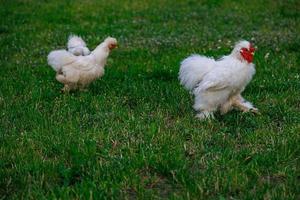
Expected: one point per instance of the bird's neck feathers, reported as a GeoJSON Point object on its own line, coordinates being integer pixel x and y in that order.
{"type": "Point", "coordinates": [103, 47]}
{"type": "Point", "coordinates": [101, 52]}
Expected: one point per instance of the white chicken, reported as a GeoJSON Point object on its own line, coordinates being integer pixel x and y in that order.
{"type": "Point", "coordinates": [218, 84]}
{"type": "Point", "coordinates": [77, 72]}
{"type": "Point", "coordinates": [77, 46]}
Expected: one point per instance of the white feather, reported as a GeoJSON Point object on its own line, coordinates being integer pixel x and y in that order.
{"type": "Point", "coordinates": [215, 83]}
{"type": "Point", "coordinates": [77, 46]}
{"type": "Point", "coordinates": [59, 58]}
{"type": "Point", "coordinates": [80, 70]}
{"type": "Point", "coordinates": [193, 69]}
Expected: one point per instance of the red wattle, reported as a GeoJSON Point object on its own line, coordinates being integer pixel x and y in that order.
{"type": "Point", "coordinates": [247, 56]}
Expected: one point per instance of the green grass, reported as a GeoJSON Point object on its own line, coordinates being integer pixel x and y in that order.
{"type": "Point", "coordinates": [133, 134]}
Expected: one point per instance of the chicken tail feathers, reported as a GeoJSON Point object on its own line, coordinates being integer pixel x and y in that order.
{"type": "Point", "coordinates": [59, 58]}
{"type": "Point", "coordinates": [77, 46]}
{"type": "Point", "coordinates": [193, 69]}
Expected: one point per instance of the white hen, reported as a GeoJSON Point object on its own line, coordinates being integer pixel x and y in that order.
{"type": "Point", "coordinates": [218, 84]}
{"type": "Point", "coordinates": [77, 46]}
{"type": "Point", "coordinates": [79, 71]}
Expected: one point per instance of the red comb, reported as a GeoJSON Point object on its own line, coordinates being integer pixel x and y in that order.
{"type": "Point", "coordinates": [252, 49]}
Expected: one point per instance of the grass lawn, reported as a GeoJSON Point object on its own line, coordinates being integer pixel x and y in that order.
{"type": "Point", "coordinates": [133, 134]}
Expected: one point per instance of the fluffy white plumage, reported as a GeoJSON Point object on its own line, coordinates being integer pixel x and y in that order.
{"type": "Point", "coordinates": [218, 84]}
{"type": "Point", "coordinates": [77, 46]}
{"type": "Point", "coordinates": [79, 71]}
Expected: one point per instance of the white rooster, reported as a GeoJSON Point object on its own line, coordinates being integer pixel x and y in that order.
{"type": "Point", "coordinates": [77, 46]}
{"type": "Point", "coordinates": [77, 72]}
{"type": "Point", "coordinates": [218, 84]}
